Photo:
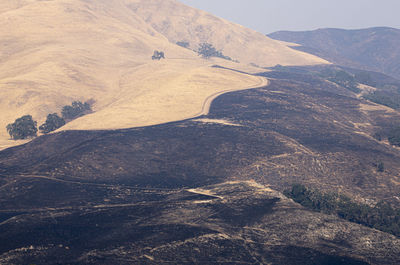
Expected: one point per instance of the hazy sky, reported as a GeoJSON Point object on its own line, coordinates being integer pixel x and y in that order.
{"type": "Point", "coordinates": [268, 16]}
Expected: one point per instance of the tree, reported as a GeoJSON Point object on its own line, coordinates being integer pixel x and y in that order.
{"type": "Point", "coordinates": [22, 128]}
{"type": "Point", "coordinates": [53, 122]}
{"type": "Point", "coordinates": [76, 110]}
{"type": "Point", "coordinates": [207, 50]}
{"type": "Point", "coordinates": [158, 55]}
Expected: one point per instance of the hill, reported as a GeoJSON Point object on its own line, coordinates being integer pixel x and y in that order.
{"type": "Point", "coordinates": [374, 49]}
{"type": "Point", "coordinates": [210, 186]}
{"type": "Point", "coordinates": [180, 23]}
{"type": "Point", "coordinates": [55, 52]}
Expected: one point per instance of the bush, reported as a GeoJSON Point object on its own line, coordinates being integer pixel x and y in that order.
{"type": "Point", "coordinates": [157, 55]}
{"type": "Point", "coordinates": [76, 110]}
{"type": "Point", "coordinates": [207, 50]}
{"type": "Point", "coordinates": [23, 128]}
{"type": "Point", "coordinates": [183, 44]}
{"type": "Point", "coordinates": [53, 122]}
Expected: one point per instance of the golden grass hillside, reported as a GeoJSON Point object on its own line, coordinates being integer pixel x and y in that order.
{"type": "Point", "coordinates": [56, 51]}
{"type": "Point", "coordinates": [238, 42]}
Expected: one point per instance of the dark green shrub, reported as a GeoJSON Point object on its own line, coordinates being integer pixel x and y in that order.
{"type": "Point", "coordinates": [53, 122]}
{"type": "Point", "coordinates": [23, 128]}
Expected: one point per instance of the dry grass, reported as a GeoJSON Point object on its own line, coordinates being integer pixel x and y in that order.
{"type": "Point", "coordinates": [240, 43]}
{"type": "Point", "coordinates": [55, 52]}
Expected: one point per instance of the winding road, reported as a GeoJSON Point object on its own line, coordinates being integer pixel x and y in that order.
{"type": "Point", "coordinates": [208, 101]}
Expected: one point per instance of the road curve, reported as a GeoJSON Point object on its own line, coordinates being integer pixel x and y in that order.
{"type": "Point", "coordinates": [208, 101]}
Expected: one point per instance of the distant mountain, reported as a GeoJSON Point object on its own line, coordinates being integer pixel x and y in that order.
{"type": "Point", "coordinates": [375, 49]}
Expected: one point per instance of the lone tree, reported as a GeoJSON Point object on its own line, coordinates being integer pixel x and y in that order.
{"type": "Point", "coordinates": [22, 128]}
{"type": "Point", "coordinates": [76, 110]}
{"type": "Point", "coordinates": [158, 55]}
{"type": "Point", "coordinates": [207, 50]}
{"type": "Point", "coordinates": [53, 122]}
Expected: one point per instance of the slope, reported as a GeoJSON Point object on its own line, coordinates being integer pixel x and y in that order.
{"type": "Point", "coordinates": [182, 192]}
{"type": "Point", "coordinates": [375, 49]}
{"type": "Point", "coordinates": [196, 26]}
{"type": "Point", "coordinates": [55, 52]}
{"type": "Point", "coordinates": [228, 223]}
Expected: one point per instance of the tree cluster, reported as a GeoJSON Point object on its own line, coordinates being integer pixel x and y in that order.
{"type": "Point", "coordinates": [382, 216]}
{"type": "Point", "coordinates": [346, 80]}
{"type": "Point", "coordinates": [389, 99]}
{"type": "Point", "coordinates": [25, 127]}
{"type": "Point", "coordinates": [75, 110]}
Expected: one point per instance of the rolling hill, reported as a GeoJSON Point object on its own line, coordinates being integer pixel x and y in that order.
{"type": "Point", "coordinates": [207, 190]}
{"type": "Point", "coordinates": [374, 49]}
{"type": "Point", "coordinates": [55, 52]}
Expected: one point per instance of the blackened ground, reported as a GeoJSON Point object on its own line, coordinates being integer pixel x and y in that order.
{"type": "Point", "coordinates": [239, 222]}
{"type": "Point", "coordinates": [298, 129]}
{"type": "Point", "coordinates": [120, 197]}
